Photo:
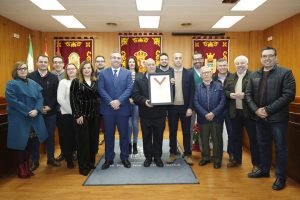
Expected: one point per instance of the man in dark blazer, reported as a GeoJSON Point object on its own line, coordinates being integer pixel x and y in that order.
{"type": "Point", "coordinates": [181, 109]}
{"type": "Point", "coordinates": [152, 118]}
{"type": "Point", "coordinates": [115, 88]}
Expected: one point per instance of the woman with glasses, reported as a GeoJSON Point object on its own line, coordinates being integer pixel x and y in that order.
{"type": "Point", "coordinates": [25, 121]}
{"type": "Point", "coordinates": [67, 121]}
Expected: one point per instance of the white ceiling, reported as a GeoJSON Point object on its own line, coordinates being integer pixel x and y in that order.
{"type": "Point", "coordinates": [94, 14]}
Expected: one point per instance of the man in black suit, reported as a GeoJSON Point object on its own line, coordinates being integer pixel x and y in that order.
{"type": "Point", "coordinates": [181, 109]}
{"type": "Point", "coordinates": [152, 118]}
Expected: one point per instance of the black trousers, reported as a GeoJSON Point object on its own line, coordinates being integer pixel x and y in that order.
{"type": "Point", "coordinates": [59, 125]}
{"type": "Point", "coordinates": [152, 131]}
{"type": "Point", "coordinates": [68, 136]}
{"type": "Point", "coordinates": [85, 135]}
{"type": "Point", "coordinates": [174, 114]}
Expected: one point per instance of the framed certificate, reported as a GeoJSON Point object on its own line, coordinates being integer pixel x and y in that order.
{"type": "Point", "coordinates": [160, 89]}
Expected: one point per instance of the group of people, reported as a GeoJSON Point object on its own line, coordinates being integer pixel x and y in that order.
{"type": "Point", "coordinates": [76, 100]}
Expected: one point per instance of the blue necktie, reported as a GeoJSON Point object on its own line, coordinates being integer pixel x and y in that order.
{"type": "Point", "coordinates": [115, 77]}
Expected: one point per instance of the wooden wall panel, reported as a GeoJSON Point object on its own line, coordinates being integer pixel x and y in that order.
{"type": "Point", "coordinates": [286, 39]}
{"type": "Point", "coordinates": [12, 49]}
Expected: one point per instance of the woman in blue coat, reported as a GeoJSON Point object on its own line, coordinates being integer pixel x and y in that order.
{"type": "Point", "coordinates": [24, 106]}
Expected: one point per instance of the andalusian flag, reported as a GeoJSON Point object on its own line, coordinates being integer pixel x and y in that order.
{"type": "Point", "coordinates": [30, 57]}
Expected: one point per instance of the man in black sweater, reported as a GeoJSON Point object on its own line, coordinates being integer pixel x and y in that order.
{"type": "Point", "coordinates": [152, 118]}
{"type": "Point", "coordinates": [49, 83]}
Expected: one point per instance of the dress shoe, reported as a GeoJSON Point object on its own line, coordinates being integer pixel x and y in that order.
{"type": "Point", "coordinates": [126, 163]}
{"type": "Point", "coordinates": [204, 162]}
{"type": "Point", "coordinates": [147, 162]}
{"type": "Point", "coordinates": [255, 168]}
{"type": "Point", "coordinates": [70, 164]}
{"type": "Point", "coordinates": [279, 184]}
{"type": "Point", "coordinates": [171, 158]}
{"type": "Point", "coordinates": [107, 164]}
{"type": "Point", "coordinates": [158, 162]}
{"type": "Point", "coordinates": [258, 174]}
{"type": "Point", "coordinates": [233, 163]}
{"type": "Point", "coordinates": [84, 172]}
{"type": "Point", "coordinates": [34, 165]}
{"type": "Point", "coordinates": [61, 157]}
{"type": "Point", "coordinates": [188, 160]}
{"type": "Point", "coordinates": [53, 163]}
{"type": "Point", "coordinates": [217, 165]}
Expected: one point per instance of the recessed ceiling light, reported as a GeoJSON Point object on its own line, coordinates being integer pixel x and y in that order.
{"type": "Point", "coordinates": [147, 5]}
{"type": "Point", "coordinates": [247, 5]}
{"type": "Point", "coordinates": [227, 21]}
{"type": "Point", "coordinates": [68, 21]}
{"type": "Point", "coordinates": [48, 4]}
{"type": "Point", "coordinates": [149, 21]}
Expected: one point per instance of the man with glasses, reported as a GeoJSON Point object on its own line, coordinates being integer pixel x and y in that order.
{"type": "Point", "coordinates": [59, 72]}
{"type": "Point", "coordinates": [49, 83]}
{"type": "Point", "coordinates": [268, 94]}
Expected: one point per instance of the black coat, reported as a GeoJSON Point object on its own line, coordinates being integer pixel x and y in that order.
{"type": "Point", "coordinates": [140, 94]}
{"type": "Point", "coordinates": [281, 89]}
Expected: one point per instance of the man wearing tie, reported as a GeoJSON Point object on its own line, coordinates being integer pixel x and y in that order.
{"type": "Point", "coordinates": [115, 88]}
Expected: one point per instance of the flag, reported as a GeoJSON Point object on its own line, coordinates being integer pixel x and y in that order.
{"type": "Point", "coordinates": [30, 57]}
{"type": "Point", "coordinates": [57, 48]}
{"type": "Point", "coordinates": [46, 48]}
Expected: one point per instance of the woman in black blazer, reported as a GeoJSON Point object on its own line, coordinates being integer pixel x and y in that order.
{"type": "Point", "coordinates": [83, 99]}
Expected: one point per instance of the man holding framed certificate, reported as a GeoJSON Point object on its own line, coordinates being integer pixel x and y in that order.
{"type": "Point", "coordinates": [152, 117]}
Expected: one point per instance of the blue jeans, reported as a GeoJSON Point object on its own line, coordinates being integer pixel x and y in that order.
{"type": "Point", "coordinates": [133, 123]}
{"type": "Point", "coordinates": [266, 132]}
{"type": "Point", "coordinates": [50, 122]}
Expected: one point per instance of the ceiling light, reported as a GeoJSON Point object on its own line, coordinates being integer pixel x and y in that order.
{"type": "Point", "coordinates": [147, 5]}
{"type": "Point", "coordinates": [68, 21]}
{"type": "Point", "coordinates": [48, 4]}
{"type": "Point", "coordinates": [247, 5]}
{"type": "Point", "coordinates": [227, 21]}
{"type": "Point", "coordinates": [149, 21]}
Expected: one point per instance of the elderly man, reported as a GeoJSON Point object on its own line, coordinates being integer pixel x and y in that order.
{"type": "Point", "coordinates": [240, 114]}
{"type": "Point", "coordinates": [152, 118]}
{"type": "Point", "coordinates": [268, 94]}
{"type": "Point", "coordinates": [209, 103]}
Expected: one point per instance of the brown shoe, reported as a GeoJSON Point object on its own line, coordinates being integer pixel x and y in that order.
{"type": "Point", "coordinates": [233, 164]}
{"type": "Point", "coordinates": [188, 160]}
{"type": "Point", "coordinates": [171, 158]}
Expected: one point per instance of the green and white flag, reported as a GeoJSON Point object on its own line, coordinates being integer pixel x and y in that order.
{"type": "Point", "coordinates": [30, 57]}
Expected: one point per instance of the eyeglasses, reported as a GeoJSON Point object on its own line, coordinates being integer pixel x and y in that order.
{"type": "Point", "coordinates": [22, 69]}
{"type": "Point", "coordinates": [98, 61]}
{"type": "Point", "coordinates": [268, 56]}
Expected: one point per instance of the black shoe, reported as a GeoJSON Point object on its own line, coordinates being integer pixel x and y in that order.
{"type": "Point", "coordinates": [258, 174]}
{"type": "Point", "coordinates": [129, 148]}
{"type": "Point", "coordinates": [53, 163]}
{"type": "Point", "coordinates": [217, 165]}
{"type": "Point", "coordinates": [74, 156]}
{"type": "Point", "coordinates": [134, 151]}
{"type": "Point", "coordinates": [147, 162]}
{"type": "Point", "coordinates": [107, 164]}
{"type": "Point", "coordinates": [158, 162]}
{"type": "Point", "coordinates": [34, 165]}
{"type": "Point", "coordinates": [70, 165]}
{"type": "Point", "coordinates": [204, 162]}
{"type": "Point", "coordinates": [84, 172]}
{"type": "Point", "coordinates": [61, 157]}
{"type": "Point", "coordinates": [126, 163]}
{"type": "Point", "coordinates": [279, 184]}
